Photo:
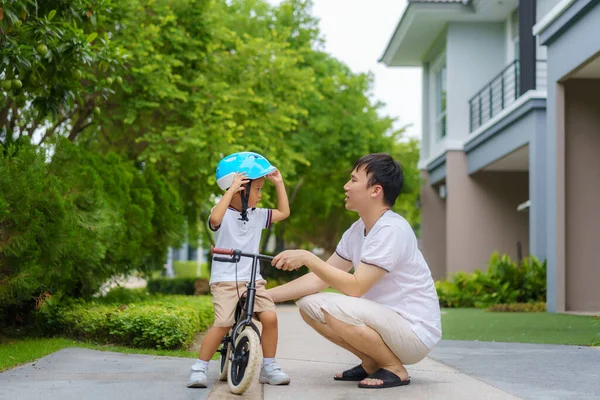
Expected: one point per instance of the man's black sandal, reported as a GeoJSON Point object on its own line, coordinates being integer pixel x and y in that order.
{"type": "Point", "coordinates": [354, 374]}
{"type": "Point", "coordinates": [389, 379]}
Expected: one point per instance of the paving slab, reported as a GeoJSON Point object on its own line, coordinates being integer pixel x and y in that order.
{"type": "Point", "coordinates": [529, 371]}
{"type": "Point", "coordinates": [311, 361]}
{"type": "Point", "coordinates": [75, 374]}
{"type": "Point", "coordinates": [454, 370]}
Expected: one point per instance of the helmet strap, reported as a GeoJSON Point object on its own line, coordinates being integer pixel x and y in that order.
{"type": "Point", "coordinates": [245, 196]}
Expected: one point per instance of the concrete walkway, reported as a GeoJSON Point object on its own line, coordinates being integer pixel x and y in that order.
{"type": "Point", "coordinates": [454, 370]}
{"type": "Point", "coordinates": [311, 361]}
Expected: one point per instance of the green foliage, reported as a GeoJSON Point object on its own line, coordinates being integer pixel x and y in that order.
{"type": "Point", "coordinates": [121, 295]}
{"type": "Point", "coordinates": [518, 307]}
{"type": "Point", "coordinates": [505, 282]}
{"type": "Point", "coordinates": [168, 322]}
{"type": "Point", "coordinates": [225, 76]}
{"type": "Point", "coordinates": [62, 59]}
{"type": "Point", "coordinates": [177, 285]}
{"type": "Point", "coordinates": [72, 219]}
{"type": "Point", "coordinates": [407, 153]}
{"type": "Point", "coordinates": [150, 96]}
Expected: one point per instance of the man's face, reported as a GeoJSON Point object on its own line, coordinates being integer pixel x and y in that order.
{"type": "Point", "coordinates": [358, 192]}
{"type": "Point", "coordinates": [255, 192]}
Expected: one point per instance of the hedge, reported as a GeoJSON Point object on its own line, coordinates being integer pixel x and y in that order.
{"type": "Point", "coordinates": [164, 322]}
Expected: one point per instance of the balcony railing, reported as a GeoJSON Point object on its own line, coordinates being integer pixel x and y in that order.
{"type": "Point", "coordinates": [500, 92]}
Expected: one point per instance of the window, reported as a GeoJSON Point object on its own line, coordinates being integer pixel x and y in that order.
{"type": "Point", "coordinates": [514, 33]}
{"type": "Point", "coordinates": [440, 100]}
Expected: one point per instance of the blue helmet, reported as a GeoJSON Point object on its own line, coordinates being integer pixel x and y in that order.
{"type": "Point", "coordinates": [252, 164]}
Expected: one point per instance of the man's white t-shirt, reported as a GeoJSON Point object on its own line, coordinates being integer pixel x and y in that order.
{"type": "Point", "coordinates": [233, 233]}
{"type": "Point", "coordinates": [407, 287]}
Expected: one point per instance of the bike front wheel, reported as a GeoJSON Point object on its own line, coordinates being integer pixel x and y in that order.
{"type": "Point", "coordinates": [244, 362]}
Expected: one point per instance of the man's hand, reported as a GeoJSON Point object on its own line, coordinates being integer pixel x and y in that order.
{"type": "Point", "coordinates": [239, 180]}
{"type": "Point", "coordinates": [275, 177]}
{"type": "Point", "coordinates": [290, 260]}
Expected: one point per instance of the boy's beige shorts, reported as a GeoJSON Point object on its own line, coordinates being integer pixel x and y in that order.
{"type": "Point", "coordinates": [391, 326]}
{"type": "Point", "coordinates": [225, 298]}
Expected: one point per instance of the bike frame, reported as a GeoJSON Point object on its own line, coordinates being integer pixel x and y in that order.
{"type": "Point", "coordinates": [235, 256]}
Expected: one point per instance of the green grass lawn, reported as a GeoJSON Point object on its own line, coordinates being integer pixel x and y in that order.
{"type": "Point", "coordinates": [477, 324]}
{"type": "Point", "coordinates": [190, 269]}
{"type": "Point", "coordinates": [457, 324]}
{"type": "Point", "coordinates": [14, 352]}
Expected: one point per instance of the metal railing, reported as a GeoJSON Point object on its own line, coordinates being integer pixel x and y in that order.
{"type": "Point", "coordinates": [500, 92]}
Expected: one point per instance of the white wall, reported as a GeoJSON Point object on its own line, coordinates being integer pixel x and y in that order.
{"type": "Point", "coordinates": [476, 53]}
{"type": "Point", "coordinates": [543, 7]}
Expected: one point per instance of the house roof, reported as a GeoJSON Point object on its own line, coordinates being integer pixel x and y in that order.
{"type": "Point", "coordinates": [438, 1]}
{"type": "Point", "coordinates": [424, 20]}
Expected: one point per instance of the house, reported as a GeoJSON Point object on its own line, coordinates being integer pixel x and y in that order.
{"type": "Point", "coordinates": [511, 128]}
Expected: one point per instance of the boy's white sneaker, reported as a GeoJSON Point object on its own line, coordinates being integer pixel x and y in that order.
{"type": "Point", "coordinates": [198, 377]}
{"type": "Point", "coordinates": [273, 375]}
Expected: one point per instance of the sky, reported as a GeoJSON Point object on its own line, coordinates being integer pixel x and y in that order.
{"type": "Point", "coordinates": [357, 32]}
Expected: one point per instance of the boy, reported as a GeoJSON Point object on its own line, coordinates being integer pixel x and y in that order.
{"type": "Point", "coordinates": [238, 224]}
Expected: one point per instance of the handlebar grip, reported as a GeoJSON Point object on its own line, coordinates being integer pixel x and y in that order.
{"type": "Point", "coordinates": [216, 250]}
{"type": "Point", "coordinates": [224, 259]}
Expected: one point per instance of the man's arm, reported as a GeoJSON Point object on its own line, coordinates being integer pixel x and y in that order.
{"type": "Point", "coordinates": [307, 284]}
{"type": "Point", "coordinates": [354, 285]}
{"type": "Point", "coordinates": [283, 205]}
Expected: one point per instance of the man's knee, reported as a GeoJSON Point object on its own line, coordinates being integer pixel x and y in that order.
{"type": "Point", "coordinates": [305, 317]}
{"type": "Point", "coordinates": [310, 309]}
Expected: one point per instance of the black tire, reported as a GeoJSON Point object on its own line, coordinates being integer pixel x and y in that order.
{"type": "Point", "coordinates": [225, 362]}
{"type": "Point", "coordinates": [245, 361]}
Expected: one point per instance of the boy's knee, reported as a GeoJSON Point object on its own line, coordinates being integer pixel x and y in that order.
{"type": "Point", "coordinates": [223, 329]}
{"type": "Point", "coordinates": [268, 318]}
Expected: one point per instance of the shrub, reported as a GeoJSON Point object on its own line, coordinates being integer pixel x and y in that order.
{"type": "Point", "coordinates": [184, 286]}
{"type": "Point", "coordinates": [121, 295]}
{"type": "Point", "coordinates": [167, 322]}
{"type": "Point", "coordinates": [518, 307]}
{"type": "Point", "coordinates": [505, 282]}
{"type": "Point", "coordinates": [70, 219]}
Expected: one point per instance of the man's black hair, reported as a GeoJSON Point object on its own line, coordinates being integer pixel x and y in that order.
{"type": "Point", "coordinates": [382, 169]}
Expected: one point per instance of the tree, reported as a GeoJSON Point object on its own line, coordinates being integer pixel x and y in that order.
{"type": "Point", "coordinates": [57, 65]}
{"type": "Point", "coordinates": [197, 89]}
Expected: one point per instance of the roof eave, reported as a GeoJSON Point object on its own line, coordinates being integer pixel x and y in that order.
{"type": "Point", "coordinates": [412, 11]}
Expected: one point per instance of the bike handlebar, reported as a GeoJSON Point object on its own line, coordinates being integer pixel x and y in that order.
{"type": "Point", "coordinates": [236, 254]}
{"type": "Point", "coordinates": [216, 250]}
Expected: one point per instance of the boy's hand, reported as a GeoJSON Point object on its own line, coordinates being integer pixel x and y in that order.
{"type": "Point", "coordinates": [275, 176]}
{"type": "Point", "coordinates": [239, 180]}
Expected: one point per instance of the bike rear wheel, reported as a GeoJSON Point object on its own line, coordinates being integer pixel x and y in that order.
{"type": "Point", "coordinates": [244, 362]}
{"type": "Point", "coordinates": [225, 355]}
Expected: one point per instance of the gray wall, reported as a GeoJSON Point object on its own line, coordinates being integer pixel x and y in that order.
{"type": "Point", "coordinates": [565, 53]}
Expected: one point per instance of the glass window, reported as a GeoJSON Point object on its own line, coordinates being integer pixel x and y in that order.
{"type": "Point", "coordinates": [440, 101]}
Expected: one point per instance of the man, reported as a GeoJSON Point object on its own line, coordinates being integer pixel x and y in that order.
{"type": "Point", "coordinates": [388, 314]}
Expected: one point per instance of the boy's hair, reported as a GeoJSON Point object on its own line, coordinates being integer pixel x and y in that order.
{"type": "Point", "coordinates": [382, 169]}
